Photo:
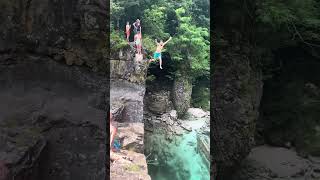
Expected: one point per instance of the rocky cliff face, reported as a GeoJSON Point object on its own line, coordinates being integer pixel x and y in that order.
{"type": "Point", "coordinates": [236, 88]}
{"type": "Point", "coordinates": [285, 75]}
{"type": "Point", "coordinates": [47, 111]}
{"type": "Point", "coordinates": [127, 89]}
{"type": "Point", "coordinates": [72, 32]}
{"type": "Point", "coordinates": [48, 107]}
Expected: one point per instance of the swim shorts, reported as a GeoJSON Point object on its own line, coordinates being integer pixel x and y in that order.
{"type": "Point", "coordinates": [156, 55]}
{"type": "Point", "coordinates": [137, 41]}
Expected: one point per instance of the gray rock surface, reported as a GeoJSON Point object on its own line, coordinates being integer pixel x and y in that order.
{"type": "Point", "coordinates": [158, 102]}
{"type": "Point", "coordinates": [47, 111]}
{"type": "Point", "coordinates": [265, 162]}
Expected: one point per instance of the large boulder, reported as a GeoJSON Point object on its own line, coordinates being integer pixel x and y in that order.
{"type": "Point", "coordinates": [158, 102]}
{"type": "Point", "coordinates": [181, 95]}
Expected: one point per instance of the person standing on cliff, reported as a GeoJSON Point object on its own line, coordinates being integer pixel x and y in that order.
{"type": "Point", "coordinates": [137, 26]}
{"type": "Point", "coordinates": [113, 131]}
{"type": "Point", "coordinates": [157, 54]}
{"type": "Point", "coordinates": [138, 42]}
{"type": "Point", "coordinates": [128, 27]}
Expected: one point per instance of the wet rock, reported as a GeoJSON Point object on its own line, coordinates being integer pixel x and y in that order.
{"type": "Point", "coordinates": [186, 127]}
{"type": "Point", "coordinates": [173, 114]}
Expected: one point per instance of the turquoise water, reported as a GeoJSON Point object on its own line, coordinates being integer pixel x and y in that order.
{"type": "Point", "coordinates": [176, 159]}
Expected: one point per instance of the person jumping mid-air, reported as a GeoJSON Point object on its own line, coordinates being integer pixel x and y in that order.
{"type": "Point", "coordinates": [128, 27]}
{"type": "Point", "coordinates": [157, 54]}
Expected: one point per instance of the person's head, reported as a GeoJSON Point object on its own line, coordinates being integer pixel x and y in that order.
{"type": "Point", "coordinates": [127, 22]}
{"type": "Point", "coordinates": [161, 42]}
{"type": "Point", "coordinates": [138, 20]}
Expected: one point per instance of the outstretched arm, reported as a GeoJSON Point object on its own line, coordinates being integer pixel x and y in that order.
{"type": "Point", "coordinates": [167, 40]}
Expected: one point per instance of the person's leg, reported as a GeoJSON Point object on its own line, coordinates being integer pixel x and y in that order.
{"type": "Point", "coordinates": [160, 61]}
{"type": "Point", "coordinates": [113, 134]}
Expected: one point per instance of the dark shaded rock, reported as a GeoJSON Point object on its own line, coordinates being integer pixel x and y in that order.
{"type": "Point", "coordinates": [236, 93]}
{"type": "Point", "coordinates": [46, 114]}
{"type": "Point", "coordinates": [158, 102]}
{"type": "Point", "coordinates": [39, 26]}
{"type": "Point", "coordinates": [291, 98]}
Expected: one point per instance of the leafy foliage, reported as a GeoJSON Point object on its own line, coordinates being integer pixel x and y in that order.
{"type": "Point", "coordinates": [116, 41]}
{"type": "Point", "coordinates": [300, 18]}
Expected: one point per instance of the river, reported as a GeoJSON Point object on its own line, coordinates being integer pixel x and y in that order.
{"type": "Point", "coordinates": [176, 159]}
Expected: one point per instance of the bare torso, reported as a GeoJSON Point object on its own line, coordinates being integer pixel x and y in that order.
{"type": "Point", "coordinates": [159, 48]}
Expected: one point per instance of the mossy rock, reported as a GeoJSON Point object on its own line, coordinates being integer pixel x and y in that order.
{"type": "Point", "coordinates": [134, 168]}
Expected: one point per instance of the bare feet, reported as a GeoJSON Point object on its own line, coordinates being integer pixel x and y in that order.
{"type": "Point", "coordinates": [160, 67]}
